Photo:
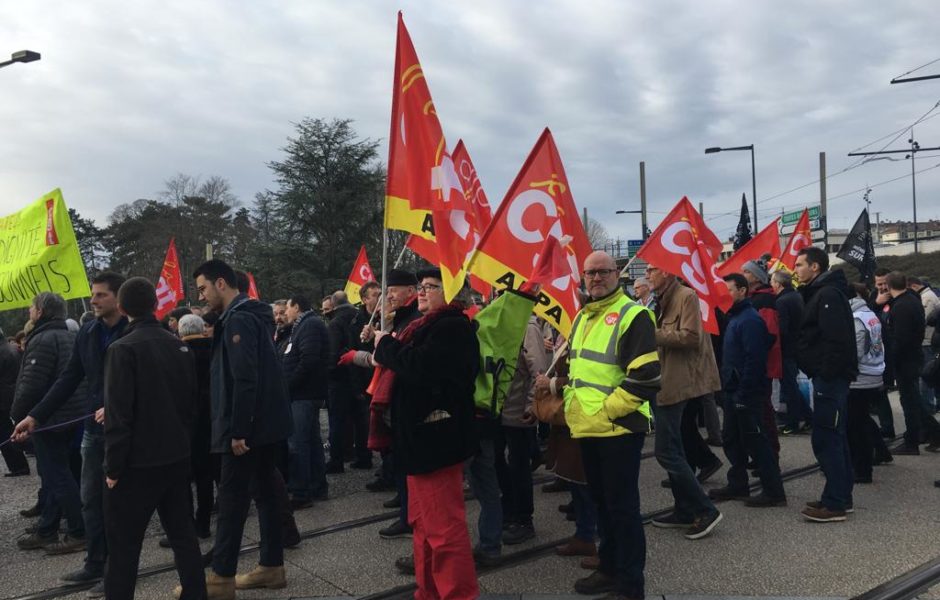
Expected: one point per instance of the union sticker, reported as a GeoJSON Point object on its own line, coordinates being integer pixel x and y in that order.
{"type": "Point", "coordinates": [611, 318]}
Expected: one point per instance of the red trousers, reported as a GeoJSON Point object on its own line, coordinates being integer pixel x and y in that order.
{"type": "Point", "coordinates": [444, 566]}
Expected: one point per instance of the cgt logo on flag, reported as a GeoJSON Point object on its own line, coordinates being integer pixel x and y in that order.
{"type": "Point", "coordinates": [52, 238]}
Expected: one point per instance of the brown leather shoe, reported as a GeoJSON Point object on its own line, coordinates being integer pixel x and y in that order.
{"type": "Point", "coordinates": [576, 547]}
{"type": "Point", "coordinates": [217, 587]}
{"type": "Point", "coordinates": [591, 563]}
{"type": "Point", "coordinates": [272, 578]}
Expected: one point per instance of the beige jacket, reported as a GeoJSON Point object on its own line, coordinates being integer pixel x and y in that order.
{"type": "Point", "coordinates": [686, 357]}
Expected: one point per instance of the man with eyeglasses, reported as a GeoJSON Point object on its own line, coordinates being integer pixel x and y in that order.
{"type": "Point", "coordinates": [689, 373]}
{"type": "Point", "coordinates": [612, 379]}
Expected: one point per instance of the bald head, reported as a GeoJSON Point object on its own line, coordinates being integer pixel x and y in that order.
{"type": "Point", "coordinates": [600, 274]}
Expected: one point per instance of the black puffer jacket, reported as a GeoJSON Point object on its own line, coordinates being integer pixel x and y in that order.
{"type": "Point", "coordinates": [432, 395]}
{"type": "Point", "coordinates": [341, 321]}
{"type": "Point", "coordinates": [9, 368]}
{"type": "Point", "coordinates": [305, 356]}
{"type": "Point", "coordinates": [48, 348]}
{"type": "Point", "coordinates": [827, 331]}
{"type": "Point", "coordinates": [789, 306]}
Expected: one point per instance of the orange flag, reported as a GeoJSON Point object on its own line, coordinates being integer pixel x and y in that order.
{"type": "Point", "coordinates": [360, 274]}
{"type": "Point", "coordinates": [765, 242]}
{"type": "Point", "coordinates": [423, 194]}
{"type": "Point", "coordinates": [684, 246]}
{"type": "Point", "coordinates": [170, 284]}
{"type": "Point", "coordinates": [538, 204]}
{"type": "Point", "coordinates": [801, 237]}
{"type": "Point", "coordinates": [252, 287]}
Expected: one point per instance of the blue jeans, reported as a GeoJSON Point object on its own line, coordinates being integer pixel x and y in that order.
{"type": "Point", "coordinates": [798, 408]}
{"type": "Point", "coordinates": [690, 499]}
{"type": "Point", "coordinates": [306, 460]}
{"type": "Point", "coordinates": [96, 544]}
{"type": "Point", "coordinates": [612, 468]}
{"type": "Point", "coordinates": [927, 393]}
{"type": "Point", "coordinates": [61, 497]}
{"type": "Point", "coordinates": [830, 441]}
{"type": "Point", "coordinates": [485, 486]}
{"type": "Point", "coordinates": [585, 513]}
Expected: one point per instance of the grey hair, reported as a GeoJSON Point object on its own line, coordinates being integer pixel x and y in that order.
{"type": "Point", "coordinates": [191, 325]}
{"type": "Point", "coordinates": [339, 298]}
{"type": "Point", "coordinates": [641, 281]}
{"type": "Point", "coordinates": [783, 278]}
{"type": "Point", "coordinates": [51, 304]}
{"type": "Point", "coordinates": [280, 302]}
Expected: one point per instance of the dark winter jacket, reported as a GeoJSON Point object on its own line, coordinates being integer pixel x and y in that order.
{"type": "Point", "coordinates": [827, 331]}
{"type": "Point", "coordinates": [281, 337]}
{"type": "Point", "coordinates": [249, 398]}
{"type": "Point", "coordinates": [48, 347]}
{"type": "Point", "coordinates": [432, 394]}
{"type": "Point", "coordinates": [360, 376]}
{"type": "Point", "coordinates": [341, 320]}
{"type": "Point", "coordinates": [789, 305]}
{"type": "Point", "coordinates": [9, 368]}
{"type": "Point", "coordinates": [86, 363]}
{"type": "Point", "coordinates": [933, 320]}
{"type": "Point", "coordinates": [906, 324]}
{"type": "Point", "coordinates": [150, 399]}
{"type": "Point", "coordinates": [305, 358]}
{"type": "Point", "coordinates": [201, 349]}
{"type": "Point", "coordinates": [744, 356]}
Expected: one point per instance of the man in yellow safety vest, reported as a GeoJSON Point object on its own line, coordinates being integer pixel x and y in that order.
{"type": "Point", "coordinates": [613, 376]}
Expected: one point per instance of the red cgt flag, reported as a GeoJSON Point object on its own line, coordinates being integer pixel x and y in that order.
{"type": "Point", "coordinates": [765, 242]}
{"type": "Point", "coordinates": [252, 288]}
{"type": "Point", "coordinates": [480, 212]}
{"type": "Point", "coordinates": [423, 193]}
{"type": "Point", "coordinates": [801, 237]}
{"type": "Point", "coordinates": [538, 205]}
{"type": "Point", "coordinates": [170, 284]}
{"type": "Point", "coordinates": [684, 246]}
{"type": "Point", "coordinates": [360, 274]}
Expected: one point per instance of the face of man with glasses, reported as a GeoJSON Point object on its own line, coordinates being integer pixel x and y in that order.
{"type": "Point", "coordinates": [656, 278]}
{"type": "Point", "coordinates": [601, 276]}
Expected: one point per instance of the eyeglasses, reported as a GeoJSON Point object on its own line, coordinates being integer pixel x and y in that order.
{"type": "Point", "coordinates": [598, 273]}
{"type": "Point", "coordinates": [651, 269]}
{"type": "Point", "coordinates": [428, 287]}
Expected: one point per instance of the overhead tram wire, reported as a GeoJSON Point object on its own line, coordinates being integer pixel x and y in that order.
{"type": "Point", "coordinates": [899, 78]}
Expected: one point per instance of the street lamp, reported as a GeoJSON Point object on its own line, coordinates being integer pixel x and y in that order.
{"type": "Point", "coordinates": [23, 56]}
{"type": "Point", "coordinates": [715, 149]}
{"type": "Point", "coordinates": [636, 212]}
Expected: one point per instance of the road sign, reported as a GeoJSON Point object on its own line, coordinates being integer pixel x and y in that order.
{"type": "Point", "coordinates": [637, 269]}
{"type": "Point", "coordinates": [791, 218]}
{"type": "Point", "coordinates": [633, 246]}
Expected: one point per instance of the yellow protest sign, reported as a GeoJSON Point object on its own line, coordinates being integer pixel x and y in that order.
{"type": "Point", "coordinates": [39, 253]}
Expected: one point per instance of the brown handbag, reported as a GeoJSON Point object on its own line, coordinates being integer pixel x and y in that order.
{"type": "Point", "coordinates": [547, 407]}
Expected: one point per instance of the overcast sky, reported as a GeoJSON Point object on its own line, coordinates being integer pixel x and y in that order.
{"type": "Point", "coordinates": [129, 93]}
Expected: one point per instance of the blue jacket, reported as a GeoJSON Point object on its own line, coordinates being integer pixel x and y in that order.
{"type": "Point", "coordinates": [305, 359]}
{"type": "Point", "coordinates": [744, 356]}
{"type": "Point", "coordinates": [249, 398]}
{"type": "Point", "coordinates": [86, 362]}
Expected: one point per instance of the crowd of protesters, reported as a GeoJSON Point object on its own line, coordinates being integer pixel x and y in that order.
{"type": "Point", "coordinates": [219, 405]}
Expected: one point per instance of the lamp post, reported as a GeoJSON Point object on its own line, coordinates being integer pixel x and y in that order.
{"type": "Point", "coordinates": [635, 212]}
{"type": "Point", "coordinates": [23, 56]}
{"type": "Point", "coordinates": [715, 149]}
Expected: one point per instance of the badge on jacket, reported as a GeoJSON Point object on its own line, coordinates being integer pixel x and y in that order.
{"type": "Point", "coordinates": [611, 318]}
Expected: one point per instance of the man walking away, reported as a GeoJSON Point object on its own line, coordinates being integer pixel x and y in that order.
{"type": "Point", "coordinates": [789, 306]}
{"type": "Point", "coordinates": [250, 421]}
{"type": "Point", "coordinates": [827, 356]}
{"type": "Point", "coordinates": [150, 406]}
{"type": "Point", "coordinates": [745, 383]}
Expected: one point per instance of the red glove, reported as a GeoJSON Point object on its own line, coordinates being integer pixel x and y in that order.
{"type": "Point", "coordinates": [347, 358]}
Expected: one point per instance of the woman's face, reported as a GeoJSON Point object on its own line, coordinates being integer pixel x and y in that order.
{"type": "Point", "coordinates": [430, 294]}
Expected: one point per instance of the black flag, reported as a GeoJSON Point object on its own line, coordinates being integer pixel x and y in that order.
{"type": "Point", "coordinates": [859, 248]}
{"type": "Point", "coordinates": [743, 233]}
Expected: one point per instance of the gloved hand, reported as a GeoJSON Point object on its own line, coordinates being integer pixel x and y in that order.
{"type": "Point", "coordinates": [346, 358]}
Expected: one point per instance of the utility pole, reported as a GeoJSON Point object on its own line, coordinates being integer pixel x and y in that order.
{"type": "Point", "coordinates": [643, 198]}
{"type": "Point", "coordinates": [701, 209]}
{"type": "Point", "coordinates": [878, 226]}
{"type": "Point", "coordinates": [914, 149]}
{"type": "Point", "coordinates": [823, 222]}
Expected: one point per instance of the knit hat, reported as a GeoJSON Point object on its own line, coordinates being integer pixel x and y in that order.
{"type": "Point", "coordinates": [758, 269]}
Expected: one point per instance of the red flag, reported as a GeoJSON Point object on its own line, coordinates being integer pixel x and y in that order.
{"type": "Point", "coordinates": [551, 264]}
{"type": "Point", "coordinates": [538, 205]}
{"type": "Point", "coordinates": [480, 212]}
{"type": "Point", "coordinates": [170, 284]}
{"type": "Point", "coordinates": [765, 242]}
{"type": "Point", "coordinates": [801, 237]}
{"type": "Point", "coordinates": [684, 246]}
{"type": "Point", "coordinates": [423, 193]}
{"type": "Point", "coordinates": [252, 288]}
{"type": "Point", "coordinates": [360, 274]}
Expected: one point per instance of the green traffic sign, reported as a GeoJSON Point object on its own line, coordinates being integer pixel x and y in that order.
{"type": "Point", "coordinates": [791, 218]}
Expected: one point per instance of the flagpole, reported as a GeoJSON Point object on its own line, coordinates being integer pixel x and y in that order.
{"type": "Point", "coordinates": [384, 276]}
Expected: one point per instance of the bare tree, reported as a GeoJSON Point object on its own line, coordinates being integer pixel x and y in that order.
{"type": "Point", "coordinates": [596, 234]}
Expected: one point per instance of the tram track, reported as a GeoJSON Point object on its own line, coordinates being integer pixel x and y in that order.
{"type": "Point", "coordinates": [509, 560]}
